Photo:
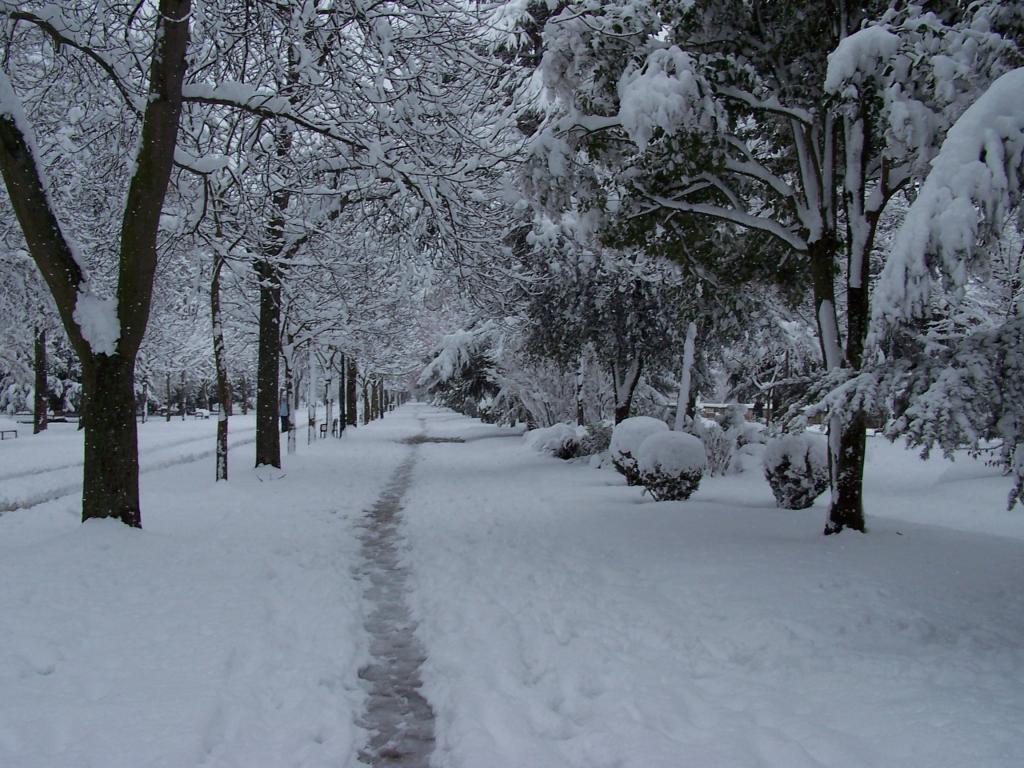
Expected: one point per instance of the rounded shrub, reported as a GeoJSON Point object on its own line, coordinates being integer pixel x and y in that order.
{"type": "Point", "coordinates": [627, 437]}
{"type": "Point", "coordinates": [559, 440]}
{"type": "Point", "coordinates": [796, 467]}
{"type": "Point", "coordinates": [671, 465]}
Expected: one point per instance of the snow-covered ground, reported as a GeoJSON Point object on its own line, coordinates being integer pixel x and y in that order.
{"type": "Point", "coordinates": [228, 632]}
{"type": "Point", "coordinates": [568, 620]}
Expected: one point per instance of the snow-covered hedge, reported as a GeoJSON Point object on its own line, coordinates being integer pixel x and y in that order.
{"type": "Point", "coordinates": [559, 440]}
{"type": "Point", "coordinates": [796, 467]}
{"type": "Point", "coordinates": [671, 465]}
{"type": "Point", "coordinates": [627, 438]}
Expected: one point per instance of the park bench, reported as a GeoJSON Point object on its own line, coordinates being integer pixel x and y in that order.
{"type": "Point", "coordinates": [4, 433]}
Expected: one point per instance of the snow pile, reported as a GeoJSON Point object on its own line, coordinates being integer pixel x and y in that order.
{"type": "Point", "coordinates": [796, 467]}
{"type": "Point", "coordinates": [97, 319]}
{"type": "Point", "coordinates": [560, 440]}
{"type": "Point", "coordinates": [862, 55]}
{"type": "Point", "coordinates": [665, 93]}
{"type": "Point", "coordinates": [671, 465]}
{"type": "Point", "coordinates": [627, 438]}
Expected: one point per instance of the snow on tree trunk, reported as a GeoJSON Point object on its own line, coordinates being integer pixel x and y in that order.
{"type": "Point", "coordinates": [291, 394]}
{"type": "Point", "coordinates": [625, 388]}
{"type": "Point", "coordinates": [581, 370]}
{"type": "Point", "coordinates": [223, 382]}
{"type": "Point", "coordinates": [684, 381]}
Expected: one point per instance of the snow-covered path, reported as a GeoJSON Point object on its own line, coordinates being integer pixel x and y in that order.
{"type": "Point", "coordinates": [399, 720]}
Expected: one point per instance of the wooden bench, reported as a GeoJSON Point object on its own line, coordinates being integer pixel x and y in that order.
{"type": "Point", "coordinates": [5, 432]}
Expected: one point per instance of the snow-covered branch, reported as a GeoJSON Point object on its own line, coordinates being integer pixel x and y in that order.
{"type": "Point", "coordinates": [975, 180]}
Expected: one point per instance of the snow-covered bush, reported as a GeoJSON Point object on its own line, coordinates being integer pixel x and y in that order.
{"type": "Point", "coordinates": [796, 467]}
{"type": "Point", "coordinates": [671, 465]}
{"type": "Point", "coordinates": [599, 437]}
{"type": "Point", "coordinates": [559, 440]}
{"type": "Point", "coordinates": [735, 417]}
{"type": "Point", "coordinates": [626, 440]}
{"type": "Point", "coordinates": [750, 433]}
{"type": "Point", "coordinates": [719, 446]}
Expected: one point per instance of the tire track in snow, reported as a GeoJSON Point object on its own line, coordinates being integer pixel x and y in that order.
{"type": "Point", "coordinates": [27, 502]}
{"type": "Point", "coordinates": [42, 470]}
{"type": "Point", "coordinates": [400, 720]}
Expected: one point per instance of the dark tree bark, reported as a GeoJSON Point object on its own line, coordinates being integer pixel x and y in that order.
{"type": "Point", "coordinates": [39, 410]}
{"type": "Point", "coordinates": [110, 485]}
{"type": "Point", "coordinates": [367, 406]}
{"type": "Point", "coordinates": [351, 409]}
{"type": "Point", "coordinates": [269, 270]}
{"type": "Point", "coordinates": [111, 480]}
{"type": "Point", "coordinates": [244, 389]}
{"type": "Point", "coordinates": [268, 370]}
{"type": "Point", "coordinates": [167, 409]}
{"type": "Point", "coordinates": [291, 396]}
{"type": "Point", "coordinates": [342, 396]}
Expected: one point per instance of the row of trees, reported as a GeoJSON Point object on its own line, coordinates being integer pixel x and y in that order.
{"type": "Point", "coordinates": [843, 171]}
{"type": "Point", "coordinates": [614, 199]}
{"type": "Point", "coordinates": [275, 158]}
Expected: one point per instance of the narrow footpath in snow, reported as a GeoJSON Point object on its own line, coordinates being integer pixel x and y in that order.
{"type": "Point", "coordinates": [400, 721]}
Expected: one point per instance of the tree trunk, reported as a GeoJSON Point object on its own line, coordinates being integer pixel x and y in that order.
{"type": "Point", "coordinates": [111, 469]}
{"type": "Point", "coordinates": [223, 382]}
{"type": "Point", "coordinates": [366, 403]}
{"type": "Point", "coordinates": [847, 507]}
{"type": "Point", "coordinates": [581, 370]}
{"type": "Point", "coordinates": [168, 401]}
{"type": "Point", "coordinates": [624, 389]}
{"type": "Point", "coordinates": [342, 396]}
{"type": "Point", "coordinates": [181, 404]}
{"type": "Point", "coordinates": [847, 439]}
{"type": "Point", "coordinates": [684, 382]}
{"type": "Point", "coordinates": [110, 485]}
{"type": "Point", "coordinates": [39, 411]}
{"type": "Point", "coordinates": [244, 387]}
{"type": "Point", "coordinates": [268, 371]}
{"type": "Point", "coordinates": [352, 390]}
{"type": "Point", "coordinates": [292, 398]}
{"type": "Point", "coordinates": [311, 395]}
